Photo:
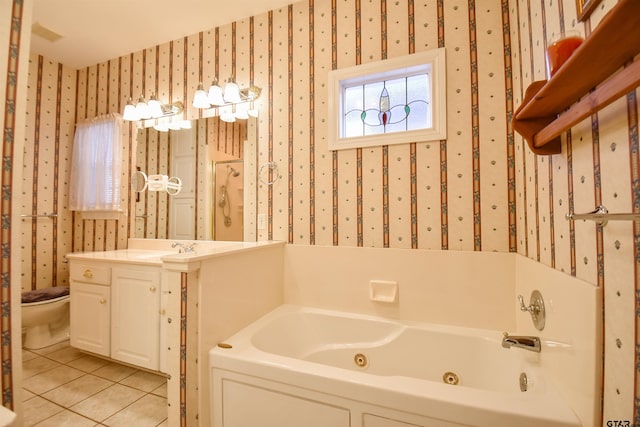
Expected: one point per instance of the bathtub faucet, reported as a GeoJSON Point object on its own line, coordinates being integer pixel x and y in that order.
{"type": "Point", "coordinates": [526, 342]}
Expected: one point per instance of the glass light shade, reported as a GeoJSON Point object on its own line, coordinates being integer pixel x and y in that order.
{"type": "Point", "coordinates": [227, 115]}
{"type": "Point", "coordinates": [130, 112]}
{"type": "Point", "coordinates": [142, 109]}
{"type": "Point", "coordinates": [161, 126]}
{"type": "Point", "coordinates": [215, 95]}
{"type": "Point", "coordinates": [174, 125]}
{"type": "Point", "coordinates": [242, 111]}
{"type": "Point", "coordinates": [155, 108]}
{"type": "Point", "coordinates": [185, 124]}
{"type": "Point", "coordinates": [200, 98]}
{"type": "Point", "coordinates": [232, 92]}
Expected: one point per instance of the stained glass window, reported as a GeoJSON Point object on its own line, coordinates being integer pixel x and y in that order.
{"type": "Point", "coordinates": [395, 105]}
{"type": "Point", "coordinates": [393, 101]}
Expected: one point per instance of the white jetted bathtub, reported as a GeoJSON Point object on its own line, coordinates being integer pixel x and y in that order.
{"type": "Point", "coordinates": [300, 366]}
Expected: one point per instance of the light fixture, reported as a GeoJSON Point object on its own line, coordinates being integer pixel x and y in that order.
{"type": "Point", "coordinates": [200, 98]}
{"type": "Point", "coordinates": [231, 92]}
{"type": "Point", "coordinates": [155, 107]}
{"type": "Point", "coordinates": [225, 98]}
{"type": "Point", "coordinates": [130, 112]}
{"type": "Point", "coordinates": [215, 97]}
{"type": "Point", "coordinates": [142, 181]}
{"type": "Point", "coordinates": [151, 111]}
{"type": "Point", "coordinates": [165, 124]}
{"type": "Point", "coordinates": [143, 109]}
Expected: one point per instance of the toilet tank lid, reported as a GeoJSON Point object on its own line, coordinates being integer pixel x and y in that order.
{"type": "Point", "coordinates": [44, 294]}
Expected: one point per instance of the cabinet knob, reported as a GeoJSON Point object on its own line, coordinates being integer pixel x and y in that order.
{"type": "Point", "coordinates": [88, 274]}
{"type": "Point", "coordinates": [152, 288]}
{"type": "Point", "coordinates": [103, 301]}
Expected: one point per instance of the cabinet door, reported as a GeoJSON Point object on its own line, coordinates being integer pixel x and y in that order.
{"type": "Point", "coordinates": [135, 316]}
{"type": "Point", "coordinates": [90, 315]}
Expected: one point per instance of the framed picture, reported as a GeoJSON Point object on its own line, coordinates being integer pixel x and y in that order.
{"type": "Point", "coordinates": [585, 7]}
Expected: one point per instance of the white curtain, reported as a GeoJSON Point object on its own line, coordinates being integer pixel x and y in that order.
{"type": "Point", "coordinates": [96, 164]}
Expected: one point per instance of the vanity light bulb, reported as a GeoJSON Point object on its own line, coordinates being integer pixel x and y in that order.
{"type": "Point", "coordinates": [130, 113]}
{"type": "Point", "coordinates": [242, 111]}
{"type": "Point", "coordinates": [200, 98]}
{"type": "Point", "coordinates": [162, 127]}
{"type": "Point", "coordinates": [143, 109]}
{"type": "Point", "coordinates": [215, 95]}
{"type": "Point", "coordinates": [155, 108]}
{"type": "Point", "coordinates": [232, 92]}
{"type": "Point", "coordinates": [174, 125]}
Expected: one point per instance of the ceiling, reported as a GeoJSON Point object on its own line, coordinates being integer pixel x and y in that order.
{"type": "Point", "coordinates": [95, 31]}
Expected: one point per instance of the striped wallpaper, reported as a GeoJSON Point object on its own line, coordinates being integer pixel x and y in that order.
{"type": "Point", "coordinates": [480, 190]}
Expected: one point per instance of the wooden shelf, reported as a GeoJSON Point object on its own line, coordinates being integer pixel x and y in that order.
{"type": "Point", "coordinates": [551, 107]}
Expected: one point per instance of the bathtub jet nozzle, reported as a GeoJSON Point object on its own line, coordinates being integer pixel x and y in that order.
{"type": "Point", "coordinates": [526, 342]}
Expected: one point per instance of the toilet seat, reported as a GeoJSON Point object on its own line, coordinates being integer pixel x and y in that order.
{"type": "Point", "coordinates": [44, 295]}
{"type": "Point", "coordinates": [47, 301]}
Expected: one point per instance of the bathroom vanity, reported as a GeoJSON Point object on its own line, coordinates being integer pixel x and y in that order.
{"type": "Point", "coordinates": [161, 308]}
{"type": "Point", "coordinates": [118, 304]}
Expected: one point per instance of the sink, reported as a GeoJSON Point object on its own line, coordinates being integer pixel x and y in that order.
{"type": "Point", "coordinates": [148, 254]}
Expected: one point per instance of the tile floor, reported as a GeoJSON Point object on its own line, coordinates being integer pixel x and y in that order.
{"type": "Point", "coordinates": [65, 387]}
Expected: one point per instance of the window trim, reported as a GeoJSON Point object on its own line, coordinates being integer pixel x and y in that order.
{"type": "Point", "coordinates": [402, 65]}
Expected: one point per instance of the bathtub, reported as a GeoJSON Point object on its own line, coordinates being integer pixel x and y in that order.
{"type": "Point", "coordinates": [300, 366]}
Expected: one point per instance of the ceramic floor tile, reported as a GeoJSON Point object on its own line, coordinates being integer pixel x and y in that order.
{"type": "Point", "coordinates": [38, 409]}
{"type": "Point", "coordinates": [49, 380]}
{"type": "Point", "coordinates": [28, 355]}
{"type": "Point", "coordinates": [52, 348]}
{"type": "Point", "coordinates": [88, 363]}
{"type": "Point", "coordinates": [114, 371]}
{"type": "Point", "coordinates": [66, 418]}
{"type": "Point", "coordinates": [37, 365]}
{"type": "Point", "coordinates": [65, 355]}
{"type": "Point", "coordinates": [149, 411]}
{"type": "Point", "coordinates": [161, 391]}
{"type": "Point", "coordinates": [144, 381]}
{"type": "Point", "coordinates": [26, 395]}
{"type": "Point", "coordinates": [77, 390]}
{"type": "Point", "coordinates": [104, 404]}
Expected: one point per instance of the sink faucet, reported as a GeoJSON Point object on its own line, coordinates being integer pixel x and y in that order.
{"type": "Point", "coordinates": [184, 247]}
{"type": "Point", "coordinates": [526, 342]}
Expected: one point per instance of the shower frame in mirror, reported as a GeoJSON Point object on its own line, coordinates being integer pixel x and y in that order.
{"type": "Point", "coordinates": [228, 181]}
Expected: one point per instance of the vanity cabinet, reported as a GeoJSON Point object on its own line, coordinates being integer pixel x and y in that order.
{"type": "Point", "coordinates": [135, 316]}
{"type": "Point", "coordinates": [90, 308]}
{"type": "Point", "coordinates": [115, 311]}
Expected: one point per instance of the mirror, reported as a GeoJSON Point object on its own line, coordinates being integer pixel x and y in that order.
{"type": "Point", "coordinates": [216, 162]}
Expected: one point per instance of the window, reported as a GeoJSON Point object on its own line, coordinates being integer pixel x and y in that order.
{"type": "Point", "coordinates": [95, 165]}
{"type": "Point", "coordinates": [394, 101]}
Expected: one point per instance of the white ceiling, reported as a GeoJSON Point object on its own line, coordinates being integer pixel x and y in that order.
{"type": "Point", "coordinates": [95, 31]}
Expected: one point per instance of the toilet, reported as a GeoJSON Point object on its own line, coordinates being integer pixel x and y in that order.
{"type": "Point", "coordinates": [45, 317]}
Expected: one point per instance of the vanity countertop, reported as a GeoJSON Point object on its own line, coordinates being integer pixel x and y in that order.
{"type": "Point", "coordinates": [127, 256]}
{"type": "Point", "coordinates": [155, 251]}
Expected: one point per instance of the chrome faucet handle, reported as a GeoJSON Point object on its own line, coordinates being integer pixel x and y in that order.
{"type": "Point", "coordinates": [530, 308]}
{"type": "Point", "coordinates": [184, 247]}
{"type": "Point", "coordinates": [535, 308]}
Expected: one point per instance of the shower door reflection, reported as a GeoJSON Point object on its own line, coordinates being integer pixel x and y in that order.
{"type": "Point", "coordinates": [228, 197]}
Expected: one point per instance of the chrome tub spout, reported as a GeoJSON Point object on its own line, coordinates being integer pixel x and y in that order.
{"type": "Point", "coordinates": [526, 342]}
